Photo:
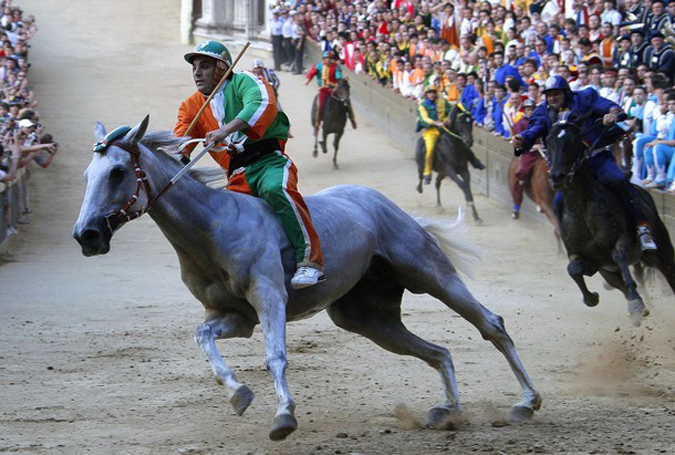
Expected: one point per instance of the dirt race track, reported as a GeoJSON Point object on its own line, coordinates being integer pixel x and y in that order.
{"type": "Point", "coordinates": [98, 354]}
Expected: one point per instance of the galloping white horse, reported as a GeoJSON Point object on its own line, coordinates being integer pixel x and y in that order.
{"type": "Point", "coordinates": [237, 261]}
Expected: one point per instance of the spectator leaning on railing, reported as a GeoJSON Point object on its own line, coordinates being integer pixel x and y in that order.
{"type": "Point", "coordinates": [22, 137]}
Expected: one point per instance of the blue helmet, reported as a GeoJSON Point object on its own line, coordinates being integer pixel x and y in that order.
{"type": "Point", "coordinates": [556, 83]}
{"type": "Point", "coordinates": [327, 54]}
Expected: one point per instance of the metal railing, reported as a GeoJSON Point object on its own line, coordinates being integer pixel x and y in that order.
{"type": "Point", "coordinates": [13, 203]}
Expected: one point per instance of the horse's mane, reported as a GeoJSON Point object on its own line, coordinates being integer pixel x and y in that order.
{"type": "Point", "coordinates": [165, 141]}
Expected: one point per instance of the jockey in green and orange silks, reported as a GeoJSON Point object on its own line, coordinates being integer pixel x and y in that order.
{"type": "Point", "coordinates": [246, 108]}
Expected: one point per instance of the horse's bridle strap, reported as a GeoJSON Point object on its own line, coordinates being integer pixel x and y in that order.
{"type": "Point", "coordinates": [142, 183]}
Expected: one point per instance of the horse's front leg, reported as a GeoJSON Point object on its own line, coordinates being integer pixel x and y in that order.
{"type": "Point", "coordinates": [336, 146]}
{"type": "Point", "coordinates": [269, 298]}
{"type": "Point", "coordinates": [439, 179]}
{"type": "Point", "coordinates": [324, 134]}
{"type": "Point", "coordinates": [576, 269]}
{"type": "Point", "coordinates": [315, 153]}
{"type": "Point", "coordinates": [221, 326]}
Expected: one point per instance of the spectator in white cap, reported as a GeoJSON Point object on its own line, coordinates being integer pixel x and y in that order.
{"type": "Point", "coordinates": [267, 74]}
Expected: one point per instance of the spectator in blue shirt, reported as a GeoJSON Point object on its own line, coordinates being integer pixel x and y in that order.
{"type": "Point", "coordinates": [504, 69]}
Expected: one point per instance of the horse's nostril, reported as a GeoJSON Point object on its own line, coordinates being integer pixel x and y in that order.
{"type": "Point", "coordinates": [89, 235]}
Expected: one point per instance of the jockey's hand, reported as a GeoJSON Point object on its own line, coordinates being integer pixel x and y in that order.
{"type": "Point", "coordinates": [517, 141]}
{"type": "Point", "coordinates": [307, 81]}
{"type": "Point", "coordinates": [610, 119]}
{"type": "Point", "coordinates": [216, 136]}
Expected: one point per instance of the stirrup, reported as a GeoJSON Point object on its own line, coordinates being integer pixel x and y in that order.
{"type": "Point", "coordinates": [305, 277]}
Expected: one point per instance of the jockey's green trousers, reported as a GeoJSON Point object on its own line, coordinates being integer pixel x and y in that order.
{"type": "Point", "coordinates": [274, 178]}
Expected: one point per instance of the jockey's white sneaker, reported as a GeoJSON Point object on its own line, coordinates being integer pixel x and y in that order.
{"type": "Point", "coordinates": [305, 277]}
{"type": "Point", "coordinates": [645, 238]}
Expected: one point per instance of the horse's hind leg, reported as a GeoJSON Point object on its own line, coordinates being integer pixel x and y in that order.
{"type": "Point", "coordinates": [453, 293]}
{"type": "Point", "coordinates": [437, 277]}
{"type": "Point", "coordinates": [374, 312]}
{"type": "Point", "coordinates": [636, 307]}
{"type": "Point", "coordinates": [221, 326]}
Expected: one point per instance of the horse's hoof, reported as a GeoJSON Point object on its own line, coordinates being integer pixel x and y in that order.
{"type": "Point", "coordinates": [315, 153]}
{"type": "Point", "coordinates": [637, 311]}
{"type": "Point", "coordinates": [335, 166]}
{"type": "Point", "coordinates": [519, 414]}
{"type": "Point", "coordinates": [592, 299]}
{"type": "Point", "coordinates": [419, 188]}
{"type": "Point", "coordinates": [443, 417]}
{"type": "Point", "coordinates": [479, 221]}
{"type": "Point", "coordinates": [283, 425]}
{"type": "Point", "coordinates": [241, 399]}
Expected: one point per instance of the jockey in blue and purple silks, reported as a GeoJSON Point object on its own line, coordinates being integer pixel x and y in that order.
{"type": "Point", "coordinates": [601, 164]}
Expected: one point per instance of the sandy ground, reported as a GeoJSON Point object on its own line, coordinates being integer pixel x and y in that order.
{"type": "Point", "coordinates": [97, 355]}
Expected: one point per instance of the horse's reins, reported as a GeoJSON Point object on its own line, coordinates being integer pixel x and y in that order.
{"type": "Point", "coordinates": [114, 220]}
{"type": "Point", "coordinates": [453, 134]}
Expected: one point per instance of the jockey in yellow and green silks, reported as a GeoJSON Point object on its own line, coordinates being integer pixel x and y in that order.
{"type": "Point", "coordinates": [432, 112]}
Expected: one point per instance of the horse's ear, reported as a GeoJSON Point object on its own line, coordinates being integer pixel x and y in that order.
{"type": "Point", "coordinates": [137, 132]}
{"type": "Point", "coordinates": [99, 131]}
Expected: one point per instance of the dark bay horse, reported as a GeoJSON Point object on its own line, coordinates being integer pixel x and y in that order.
{"type": "Point", "coordinates": [334, 119]}
{"type": "Point", "coordinates": [237, 261]}
{"type": "Point", "coordinates": [451, 156]}
{"type": "Point", "coordinates": [595, 228]}
{"type": "Point", "coordinates": [538, 189]}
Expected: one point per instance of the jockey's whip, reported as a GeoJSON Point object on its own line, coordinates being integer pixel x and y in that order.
{"type": "Point", "coordinates": [215, 90]}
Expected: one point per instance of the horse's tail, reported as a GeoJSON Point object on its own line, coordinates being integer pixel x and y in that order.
{"type": "Point", "coordinates": [464, 255]}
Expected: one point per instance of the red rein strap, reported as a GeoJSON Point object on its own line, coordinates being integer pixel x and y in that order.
{"type": "Point", "coordinates": [142, 183]}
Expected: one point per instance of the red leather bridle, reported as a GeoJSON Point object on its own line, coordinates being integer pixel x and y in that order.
{"type": "Point", "coordinates": [123, 215]}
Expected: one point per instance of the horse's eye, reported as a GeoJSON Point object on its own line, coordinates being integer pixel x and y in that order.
{"type": "Point", "coordinates": [117, 173]}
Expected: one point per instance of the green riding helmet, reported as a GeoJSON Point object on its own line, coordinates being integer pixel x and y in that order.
{"type": "Point", "coordinates": [212, 49]}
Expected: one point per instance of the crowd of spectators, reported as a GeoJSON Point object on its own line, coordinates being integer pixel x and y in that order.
{"type": "Point", "coordinates": [492, 55]}
{"type": "Point", "coordinates": [22, 137]}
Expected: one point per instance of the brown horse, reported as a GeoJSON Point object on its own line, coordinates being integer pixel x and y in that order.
{"type": "Point", "coordinates": [538, 189]}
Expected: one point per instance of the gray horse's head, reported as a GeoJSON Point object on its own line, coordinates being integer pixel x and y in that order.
{"type": "Point", "coordinates": [111, 182]}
